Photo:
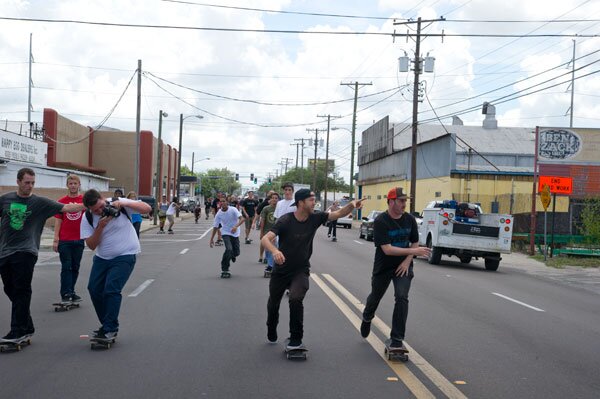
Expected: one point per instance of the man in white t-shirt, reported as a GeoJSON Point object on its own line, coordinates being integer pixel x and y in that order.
{"type": "Point", "coordinates": [229, 219]}
{"type": "Point", "coordinates": [285, 205]}
{"type": "Point", "coordinates": [171, 212]}
{"type": "Point", "coordinates": [116, 245]}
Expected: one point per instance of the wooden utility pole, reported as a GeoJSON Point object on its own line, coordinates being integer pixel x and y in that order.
{"type": "Point", "coordinates": [136, 177]}
{"type": "Point", "coordinates": [327, 155]}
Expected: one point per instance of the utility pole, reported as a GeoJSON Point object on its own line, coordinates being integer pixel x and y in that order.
{"type": "Point", "coordinates": [159, 180]}
{"type": "Point", "coordinates": [301, 159]}
{"type": "Point", "coordinates": [571, 109]}
{"type": "Point", "coordinates": [355, 84]}
{"type": "Point", "coordinates": [316, 144]}
{"type": "Point", "coordinates": [297, 145]}
{"type": "Point", "coordinates": [327, 155]}
{"type": "Point", "coordinates": [286, 161]}
{"type": "Point", "coordinates": [29, 106]}
{"type": "Point", "coordinates": [417, 71]}
{"type": "Point", "coordinates": [136, 177]}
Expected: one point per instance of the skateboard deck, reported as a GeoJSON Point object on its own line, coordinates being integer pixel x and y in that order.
{"type": "Point", "coordinates": [395, 354]}
{"type": "Point", "coordinates": [102, 343]}
{"type": "Point", "coordinates": [14, 346]}
{"type": "Point", "coordinates": [295, 354]}
{"type": "Point", "coordinates": [65, 306]}
{"type": "Point", "coordinates": [225, 275]}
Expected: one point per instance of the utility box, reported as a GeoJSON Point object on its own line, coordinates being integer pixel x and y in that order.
{"type": "Point", "coordinates": [403, 63]}
{"type": "Point", "coordinates": [429, 64]}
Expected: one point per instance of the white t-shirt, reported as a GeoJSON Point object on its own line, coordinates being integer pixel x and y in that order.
{"type": "Point", "coordinates": [284, 206]}
{"type": "Point", "coordinates": [118, 237]}
{"type": "Point", "coordinates": [172, 209]}
{"type": "Point", "coordinates": [228, 220]}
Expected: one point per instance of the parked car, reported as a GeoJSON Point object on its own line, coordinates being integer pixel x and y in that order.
{"type": "Point", "coordinates": [366, 227]}
{"type": "Point", "coordinates": [150, 200]}
{"type": "Point", "coordinates": [188, 206]}
{"type": "Point", "coordinates": [345, 222]}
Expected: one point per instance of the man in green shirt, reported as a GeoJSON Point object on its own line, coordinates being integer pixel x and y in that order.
{"type": "Point", "coordinates": [267, 220]}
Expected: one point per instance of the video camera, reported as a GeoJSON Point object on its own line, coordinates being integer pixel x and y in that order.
{"type": "Point", "coordinates": [110, 210]}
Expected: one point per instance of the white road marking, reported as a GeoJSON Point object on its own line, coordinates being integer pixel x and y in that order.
{"type": "Point", "coordinates": [433, 374]}
{"type": "Point", "coordinates": [205, 233]}
{"type": "Point", "coordinates": [518, 302]}
{"type": "Point", "coordinates": [141, 288]}
{"type": "Point", "coordinates": [184, 251]}
{"type": "Point", "coordinates": [358, 242]}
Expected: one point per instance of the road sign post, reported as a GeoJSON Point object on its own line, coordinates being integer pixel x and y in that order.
{"type": "Point", "coordinates": [545, 197]}
{"type": "Point", "coordinates": [554, 185]}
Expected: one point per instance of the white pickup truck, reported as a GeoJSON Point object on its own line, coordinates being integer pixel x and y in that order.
{"type": "Point", "coordinates": [461, 229]}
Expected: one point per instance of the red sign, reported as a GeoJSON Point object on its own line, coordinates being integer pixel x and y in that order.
{"type": "Point", "coordinates": [558, 185]}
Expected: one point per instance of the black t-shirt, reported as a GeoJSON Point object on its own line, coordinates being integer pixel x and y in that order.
{"type": "Point", "coordinates": [250, 206]}
{"type": "Point", "coordinates": [207, 204]}
{"type": "Point", "coordinates": [262, 205]}
{"type": "Point", "coordinates": [215, 203]}
{"type": "Point", "coordinates": [296, 241]}
{"type": "Point", "coordinates": [400, 233]}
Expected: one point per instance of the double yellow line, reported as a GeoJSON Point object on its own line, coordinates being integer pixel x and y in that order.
{"type": "Point", "coordinates": [402, 371]}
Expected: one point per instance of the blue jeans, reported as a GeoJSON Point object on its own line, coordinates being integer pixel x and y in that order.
{"type": "Point", "coordinates": [269, 258]}
{"type": "Point", "coordinates": [107, 279]}
{"type": "Point", "coordinates": [70, 253]}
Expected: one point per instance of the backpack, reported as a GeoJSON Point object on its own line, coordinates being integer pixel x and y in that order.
{"type": "Point", "coordinates": [90, 218]}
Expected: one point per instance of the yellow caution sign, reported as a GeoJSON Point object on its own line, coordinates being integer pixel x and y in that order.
{"type": "Point", "coordinates": [545, 196]}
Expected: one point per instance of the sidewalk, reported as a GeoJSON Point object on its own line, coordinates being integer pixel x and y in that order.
{"type": "Point", "coordinates": [147, 224]}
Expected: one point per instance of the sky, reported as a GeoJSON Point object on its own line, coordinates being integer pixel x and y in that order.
{"type": "Point", "coordinates": [258, 92]}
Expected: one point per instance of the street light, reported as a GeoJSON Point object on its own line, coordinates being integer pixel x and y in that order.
{"type": "Point", "coordinates": [159, 181]}
{"type": "Point", "coordinates": [351, 159]}
{"type": "Point", "coordinates": [181, 119]}
{"type": "Point", "coordinates": [195, 162]}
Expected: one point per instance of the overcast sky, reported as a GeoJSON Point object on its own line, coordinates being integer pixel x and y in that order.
{"type": "Point", "coordinates": [81, 70]}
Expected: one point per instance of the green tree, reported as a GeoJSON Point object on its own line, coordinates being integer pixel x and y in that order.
{"type": "Point", "coordinates": [299, 175]}
{"type": "Point", "coordinates": [590, 220]}
{"type": "Point", "coordinates": [213, 180]}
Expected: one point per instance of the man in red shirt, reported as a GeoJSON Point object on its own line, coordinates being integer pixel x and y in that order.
{"type": "Point", "coordinates": [67, 241]}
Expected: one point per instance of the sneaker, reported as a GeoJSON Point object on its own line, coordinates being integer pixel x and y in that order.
{"type": "Point", "coordinates": [248, 241]}
{"type": "Point", "coordinates": [328, 235]}
{"type": "Point", "coordinates": [65, 299]}
{"type": "Point", "coordinates": [365, 328]}
{"type": "Point", "coordinates": [269, 269]}
{"type": "Point", "coordinates": [14, 336]}
{"type": "Point", "coordinates": [170, 231]}
{"type": "Point", "coordinates": [396, 344]}
{"type": "Point", "coordinates": [97, 333]}
{"type": "Point", "coordinates": [260, 260]}
{"type": "Point", "coordinates": [272, 335]}
{"type": "Point", "coordinates": [75, 298]}
{"type": "Point", "coordinates": [293, 344]}
{"type": "Point", "coordinates": [334, 239]}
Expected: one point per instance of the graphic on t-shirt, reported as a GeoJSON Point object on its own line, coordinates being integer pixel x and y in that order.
{"type": "Point", "coordinates": [18, 213]}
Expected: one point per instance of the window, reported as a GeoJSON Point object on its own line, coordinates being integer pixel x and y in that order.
{"type": "Point", "coordinates": [379, 197]}
{"type": "Point", "coordinates": [438, 194]}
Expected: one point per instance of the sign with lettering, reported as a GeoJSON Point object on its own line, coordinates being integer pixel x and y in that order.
{"type": "Point", "coordinates": [558, 185]}
{"type": "Point", "coordinates": [22, 148]}
{"type": "Point", "coordinates": [569, 146]}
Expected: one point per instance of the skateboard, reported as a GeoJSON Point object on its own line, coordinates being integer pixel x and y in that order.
{"type": "Point", "coordinates": [267, 273]}
{"type": "Point", "coordinates": [65, 306]}
{"type": "Point", "coordinates": [102, 343]}
{"type": "Point", "coordinates": [295, 354]}
{"type": "Point", "coordinates": [6, 346]}
{"type": "Point", "coordinates": [334, 239]}
{"type": "Point", "coordinates": [225, 275]}
{"type": "Point", "coordinates": [170, 232]}
{"type": "Point", "coordinates": [248, 242]}
{"type": "Point", "coordinates": [395, 354]}
{"type": "Point", "coordinates": [219, 243]}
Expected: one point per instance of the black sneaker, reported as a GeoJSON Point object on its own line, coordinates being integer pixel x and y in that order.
{"type": "Point", "coordinates": [97, 333]}
{"type": "Point", "coordinates": [14, 336]}
{"type": "Point", "coordinates": [365, 328]}
{"type": "Point", "coordinates": [75, 298]}
{"type": "Point", "coordinates": [269, 269]}
{"type": "Point", "coordinates": [272, 335]}
{"type": "Point", "coordinates": [293, 344]}
{"type": "Point", "coordinates": [260, 260]}
{"type": "Point", "coordinates": [65, 299]}
{"type": "Point", "coordinates": [396, 344]}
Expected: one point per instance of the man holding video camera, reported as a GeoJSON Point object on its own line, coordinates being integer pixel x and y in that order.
{"type": "Point", "coordinates": [107, 229]}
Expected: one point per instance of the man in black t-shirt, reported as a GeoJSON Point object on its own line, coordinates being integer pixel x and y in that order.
{"type": "Point", "coordinates": [396, 237]}
{"type": "Point", "coordinates": [296, 232]}
{"type": "Point", "coordinates": [249, 204]}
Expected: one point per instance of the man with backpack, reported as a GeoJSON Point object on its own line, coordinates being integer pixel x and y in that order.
{"type": "Point", "coordinates": [107, 229]}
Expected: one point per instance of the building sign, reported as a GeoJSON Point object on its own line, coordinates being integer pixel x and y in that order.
{"type": "Point", "coordinates": [21, 148]}
{"type": "Point", "coordinates": [557, 185]}
{"type": "Point", "coordinates": [569, 146]}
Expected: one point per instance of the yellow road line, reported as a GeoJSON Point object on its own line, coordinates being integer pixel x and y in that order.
{"type": "Point", "coordinates": [434, 375]}
{"type": "Point", "coordinates": [407, 377]}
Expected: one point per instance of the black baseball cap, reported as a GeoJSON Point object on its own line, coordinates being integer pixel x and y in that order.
{"type": "Point", "coordinates": [301, 195]}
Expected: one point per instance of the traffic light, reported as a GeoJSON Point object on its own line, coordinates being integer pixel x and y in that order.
{"type": "Point", "coordinates": [237, 177]}
{"type": "Point", "coordinates": [251, 176]}
{"type": "Point", "coordinates": [255, 181]}
{"type": "Point", "coordinates": [269, 181]}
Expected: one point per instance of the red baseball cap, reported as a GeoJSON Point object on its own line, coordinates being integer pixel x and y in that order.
{"type": "Point", "coordinates": [395, 193]}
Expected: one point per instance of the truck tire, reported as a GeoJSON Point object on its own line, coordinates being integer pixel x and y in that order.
{"type": "Point", "coordinates": [465, 259]}
{"type": "Point", "coordinates": [436, 253]}
{"type": "Point", "coordinates": [492, 264]}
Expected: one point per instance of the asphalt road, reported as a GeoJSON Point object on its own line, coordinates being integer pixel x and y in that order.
{"type": "Point", "coordinates": [189, 333]}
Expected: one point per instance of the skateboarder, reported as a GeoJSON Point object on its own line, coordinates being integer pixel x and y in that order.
{"type": "Point", "coordinates": [230, 219]}
{"type": "Point", "coordinates": [113, 237]}
{"type": "Point", "coordinates": [22, 221]}
{"type": "Point", "coordinates": [267, 221]}
{"type": "Point", "coordinates": [333, 224]}
{"type": "Point", "coordinates": [396, 237]}
{"type": "Point", "coordinates": [249, 204]}
{"type": "Point", "coordinates": [296, 232]}
{"type": "Point", "coordinates": [67, 241]}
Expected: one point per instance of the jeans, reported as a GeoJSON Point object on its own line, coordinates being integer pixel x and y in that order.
{"type": "Point", "coordinates": [107, 279]}
{"type": "Point", "coordinates": [232, 249]}
{"type": "Point", "coordinates": [379, 284]}
{"type": "Point", "coordinates": [269, 258]}
{"type": "Point", "coordinates": [332, 228]}
{"type": "Point", "coordinates": [70, 253]}
{"type": "Point", "coordinates": [136, 226]}
{"type": "Point", "coordinates": [298, 286]}
{"type": "Point", "coordinates": [17, 273]}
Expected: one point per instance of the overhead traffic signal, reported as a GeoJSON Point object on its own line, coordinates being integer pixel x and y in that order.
{"type": "Point", "coordinates": [251, 176]}
{"type": "Point", "coordinates": [237, 177]}
{"type": "Point", "coordinates": [269, 180]}
{"type": "Point", "coordinates": [255, 181]}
